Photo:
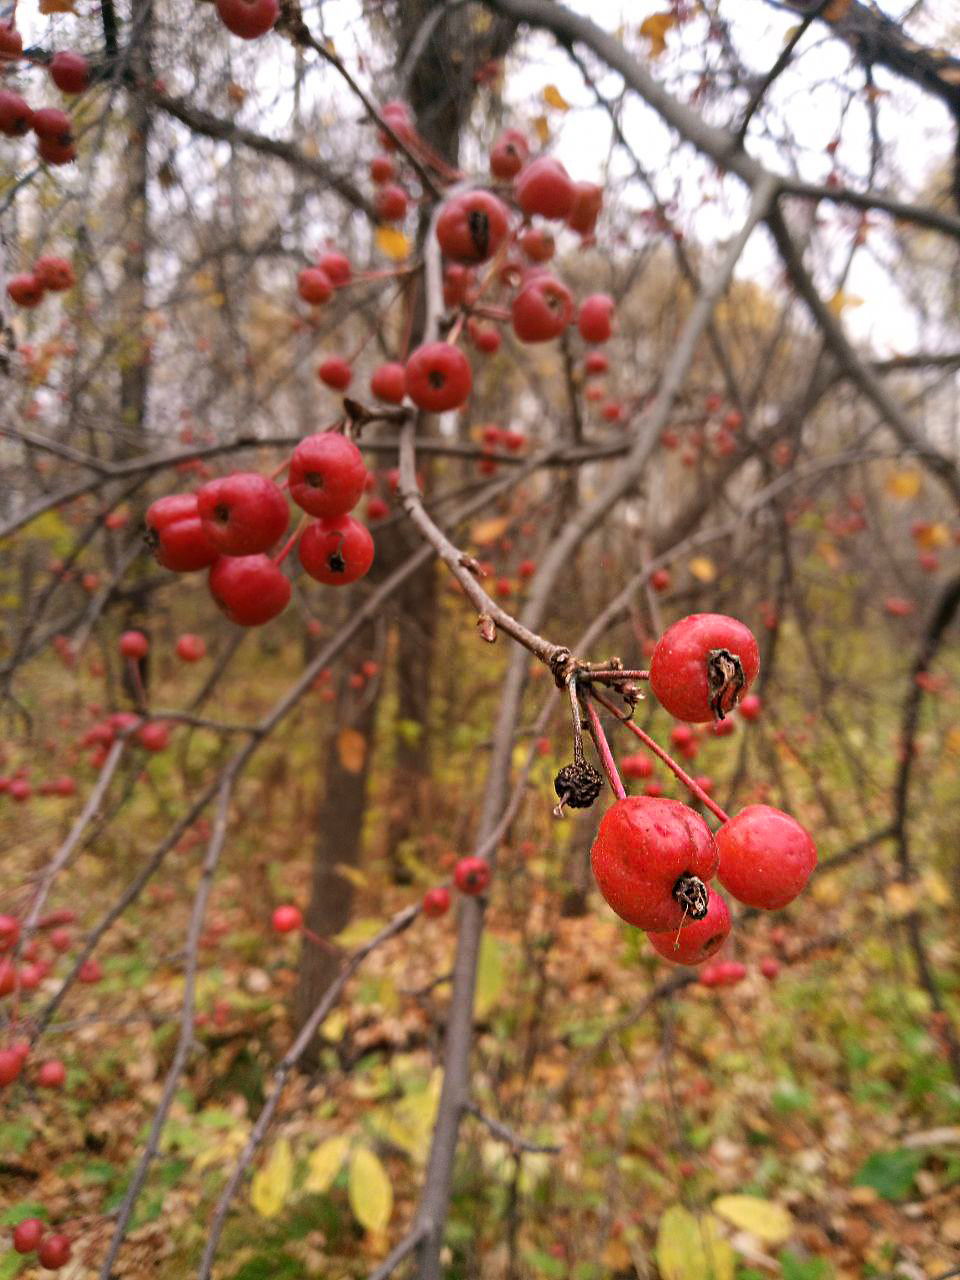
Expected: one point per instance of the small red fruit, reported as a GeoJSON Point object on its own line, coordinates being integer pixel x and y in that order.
{"type": "Point", "coordinates": [389, 382]}
{"type": "Point", "coordinates": [70, 72]}
{"type": "Point", "coordinates": [336, 551]}
{"type": "Point", "coordinates": [766, 857]}
{"type": "Point", "coordinates": [436, 902]}
{"type": "Point", "coordinates": [90, 971]}
{"type": "Point", "coordinates": [336, 267]}
{"type": "Point", "coordinates": [750, 706]}
{"type": "Point", "coordinates": [55, 274]}
{"type": "Point", "coordinates": [9, 931]}
{"type": "Point", "coordinates": [376, 509]}
{"type": "Point", "coordinates": [251, 590]}
{"type": "Point", "coordinates": [248, 19]}
{"type": "Point", "coordinates": [382, 169]}
{"type": "Point", "coordinates": [50, 124]}
{"type": "Point", "coordinates": [16, 116]}
{"type": "Point", "coordinates": [54, 152]}
{"type": "Point", "coordinates": [11, 42]}
{"type": "Point", "coordinates": [898, 607]}
{"type": "Point", "coordinates": [176, 533]}
{"type": "Point", "coordinates": [636, 766]}
{"type": "Point", "coordinates": [52, 1074]}
{"type": "Point", "coordinates": [596, 363]}
{"type": "Point", "coordinates": [134, 644]}
{"type": "Point", "coordinates": [314, 286]}
{"type": "Point", "coordinates": [770, 968]}
{"type": "Point", "coordinates": [243, 514]}
{"type": "Point", "coordinates": [587, 203]}
{"type": "Point", "coordinates": [54, 1251]}
{"type": "Point", "coordinates": [538, 245]}
{"type": "Point", "coordinates": [723, 973]}
{"type": "Point", "coordinates": [651, 859]}
{"type": "Point", "coordinates": [335, 373]}
{"type": "Point", "coordinates": [438, 377]}
{"type": "Point", "coordinates": [594, 319]}
{"type": "Point", "coordinates": [11, 1064]}
{"type": "Point", "coordinates": [191, 648]}
{"type": "Point", "coordinates": [697, 940]}
{"type": "Point", "coordinates": [472, 875]}
{"type": "Point", "coordinates": [27, 1235]}
{"type": "Point", "coordinates": [472, 226]}
{"type": "Point", "coordinates": [545, 187]}
{"type": "Point", "coordinates": [509, 155]}
{"type": "Point", "coordinates": [702, 665]}
{"type": "Point", "coordinates": [154, 736]}
{"type": "Point", "coordinates": [287, 919]}
{"type": "Point", "coordinates": [391, 202]}
{"type": "Point", "coordinates": [542, 309]}
{"type": "Point", "coordinates": [660, 579]}
{"type": "Point", "coordinates": [327, 474]}
{"type": "Point", "coordinates": [485, 337]}
{"type": "Point", "coordinates": [25, 290]}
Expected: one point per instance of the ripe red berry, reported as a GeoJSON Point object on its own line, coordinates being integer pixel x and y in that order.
{"type": "Point", "coordinates": [177, 535]}
{"type": "Point", "coordinates": [50, 124]}
{"type": "Point", "coordinates": [766, 857]}
{"type": "Point", "coordinates": [54, 151]}
{"type": "Point", "coordinates": [438, 377]}
{"type": "Point", "coordinates": [243, 514]}
{"type": "Point", "coordinates": [391, 202]}
{"type": "Point", "coordinates": [9, 931]}
{"type": "Point", "coordinates": [660, 579]}
{"type": "Point", "coordinates": [251, 590]}
{"type": "Point", "coordinates": [526, 568]}
{"type": "Point", "coordinates": [485, 337]}
{"type": "Point", "coordinates": [472, 226]}
{"type": "Point", "coordinates": [336, 551]}
{"type": "Point", "coordinates": [248, 19]}
{"type": "Point", "coordinates": [472, 875]}
{"type": "Point", "coordinates": [509, 155]}
{"type": "Point", "coordinates": [545, 187]}
{"type": "Point", "coordinates": [697, 940]}
{"type": "Point", "coordinates": [898, 607]}
{"type": "Point", "coordinates": [55, 274]}
{"type": "Point", "coordinates": [90, 971]}
{"type": "Point", "coordinates": [397, 115]}
{"type": "Point", "coordinates": [336, 267]}
{"type": "Point", "coordinates": [314, 286]}
{"type": "Point", "coordinates": [750, 706]}
{"type": "Point", "coordinates": [11, 42]}
{"type": "Point", "coordinates": [327, 474]}
{"type": "Point", "coordinates": [681, 735]}
{"type": "Point", "coordinates": [52, 1074]}
{"type": "Point", "coordinates": [723, 973]}
{"type": "Point", "coordinates": [16, 117]}
{"type": "Point", "coordinates": [376, 509]}
{"type": "Point", "coordinates": [134, 644]}
{"type": "Point", "coordinates": [594, 319]}
{"type": "Point", "coordinates": [382, 169]}
{"type": "Point", "coordinates": [389, 382]}
{"type": "Point", "coordinates": [70, 72]}
{"type": "Point", "coordinates": [542, 309]}
{"type": "Point", "coordinates": [651, 859]}
{"type": "Point", "coordinates": [154, 736]}
{"type": "Point", "coordinates": [335, 372]}
{"type": "Point", "coordinates": [770, 968]}
{"type": "Point", "coordinates": [191, 648]}
{"type": "Point", "coordinates": [54, 1252]}
{"type": "Point", "coordinates": [587, 203]}
{"type": "Point", "coordinates": [11, 1064]}
{"type": "Point", "coordinates": [436, 902]}
{"type": "Point", "coordinates": [636, 766]}
{"type": "Point", "coordinates": [287, 919]}
{"type": "Point", "coordinates": [25, 290]}
{"type": "Point", "coordinates": [596, 363]}
{"type": "Point", "coordinates": [457, 282]}
{"type": "Point", "coordinates": [27, 1235]}
{"type": "Point", "coordinates": [702, 665]}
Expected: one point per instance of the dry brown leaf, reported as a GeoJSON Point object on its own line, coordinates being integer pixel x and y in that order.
{"type": "Point", "coordinates": [655, 30]}
{"type": "Point", "coordinates": [352, 749]}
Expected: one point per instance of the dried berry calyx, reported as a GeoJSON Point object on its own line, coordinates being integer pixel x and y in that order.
{"type": "Point", "coordinates": [578, 785]}
{"type": "Point", "coordinates": [693, 896]}
{"type": "Point", "coordinates": [725, 680]}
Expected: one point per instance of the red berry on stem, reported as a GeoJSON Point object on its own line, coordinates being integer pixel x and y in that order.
{"type": "Point", "coordinates": [545, 187]}
{"type": "Point", "coordinates": [438, 377]}
{"type": "Point", "coordinates": [134, 644]}
{"type": "Point", "coordinates": [537, 244]}
{"type": "Point", "coordinates": [243, 514]}
{"type": "Point", "coordinates": [542, 309]}
{"type": "Point", "coordinates": [250, 590]}
{"type": "Point", "coordinates": [766, 857]}
{"type": "Point", "coordinates": [154, 736]}
{"type": "Point", "coordinates": [509, 154]}
{"type": "Point", "coordinates": [9, 931]}
{"type": "Point", "coordinates": [11, 1064]}
{"type": "Point", "coordinates": [436, 902]}
{"type": "Point", "coordinates": [697, 940]}
{"type": "Point", "coordinates": [70, 72]}
{"type": "Point", "coordinates": [389, 382]}
{"type": "Point", "coordinates": [55, 274]}
{"type": "Point", "coordinates": [472, 226]}
{"type": "Point", "coordinates": [391, 202]}
{"type": "Point", "coordinates": [595, 363]}
{"type": "Point", "coordinates": [472, 875]}
{"type": "Point", "coordinates": [723, 973]}
{"type": "Point", "coordinates": [177, 536]}
{"type": "Point", "coordinates": [25, 290]}
{"type": "Point", "coordinates": [660, 579]}
{"type": "Point", "coordinates": [55, 152]}
{"type": "Point", "coordinates": [314, 286]}
{"type": "Point", "coordinates": [702, 665]}
{"type": "Point", "coordinates": [248, 19]}
{"type": "Point", "coordinates": [335, 373]}
{"type": "Point", "coordinates": [50, 124]}
{"type": "Point", "coordinates": [16, 116]}
{"type": "Point", "coordinates": [52, 1074]}
{"type": "Point", "coordinates": [636, 766]}
{"type": "Point", "coordinates": [750, 706]}
{"type": "Point", "coordinates": [336, 267]}
{"type": "Point", "coordinates": [587, 203]}
{"type": "Point", "coordinates": [327, 474]}
{"type": "Point", "coordinates": [594, 319]}
{"type": "Point", "coordinates": [382, 169]}
{"type": "Point", "coordinates": [27, 1235]}
{"type": "Point", "coordinates": [11, 42]}
{"type": "Point", "coordinates": [336, 551]}
{"type": "Point", "coordinates": [287, 919]}
{"type": "Point", "coordinates": [770, 968]}
{"type": "Point", "coordinates": [191, 648]}
{"type": "Point", "coordinates": [651, 859]}
{"type": "Point", "coordinates": [54, 1252]}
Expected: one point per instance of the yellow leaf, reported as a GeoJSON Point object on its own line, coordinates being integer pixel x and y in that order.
{"type": "Point", "coordinates": [690, 1248]}
{"type": "Point", "coordinates": [393, 243]}
{"type": "Point", "coordinates": [369, 1190]}
{"type": "Point", "coordinates": [486, 531]}
{"type": "Point", "coordinates": [353, 874]}
{"type": "Point", "coordinates": [931, 536]}
{"type": "Point", "coordinates": [323, 1164]}
{"type": "Point", "coordinates": [841, 300]}
{"type": "Point", "coordinates": [554, 98]}
{"type": "Point", "coordinates": [703, 568]}
{"type": "Point", "coordinates": [790, 34]}
{"type": "Point", "coordinates": [272, 1184]}
{"type": "Point", "coordinates": [829, 554]}
{"type": "Point", "coordinates": [352, 749]}
{"type": "Point", "coordinates": [936, 888]}
{"type": "Point", "coordinates": [332, 1028]}
{"type": "Point", "coordinates": [482, 21]}
{"type": "Point", "coordinates": [541, 128]}
{"type": "Point", "coordinates": [953, 740]}
{"type": "Point", "coordinates": [408, 1124]}
{"type": "Point", "coordinates": [904, 484]}
{"type": "Point", "coordinates": [901, 898]}
{"type": "Point", "coordinates": [770, 1223]}
{"type": "Point", "coordinates": [358, 932]}
{"type": "Point", "coordinates": [655, 30]}
{"type": "Point", "coordinates": [490, 975]}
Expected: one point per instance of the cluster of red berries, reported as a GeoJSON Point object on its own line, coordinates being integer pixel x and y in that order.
{"type": "Point", "coordinates": [653, 858]}
{"type": "Point", "coordinates": [34, 966]}
{"type": "Point", "coordinates": [53, 128]}
{"type": "Point", "coordinates": [230, 524]}
{"type": "Point", "coordinates": [716, 433]}
{"type": "Point", "coordinates": [53, 1251]}
{"type": "Point", "coordinates": [49, 274]}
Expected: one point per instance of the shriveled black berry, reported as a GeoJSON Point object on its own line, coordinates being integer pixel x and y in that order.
{"type": "Point", "coordinates": [578, 785]}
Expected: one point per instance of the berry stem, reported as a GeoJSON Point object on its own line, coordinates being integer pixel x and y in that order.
{"type": "Point", "coordinates": [577, 715]}
{"type": "Point", "coordinates": [668, 760]}
{"type": "Point", "coordinates": [315, 938]}
{"type": "Point", "coordinates": [606, 755]}
{"type": "Point", "coordinates": [292, 541]}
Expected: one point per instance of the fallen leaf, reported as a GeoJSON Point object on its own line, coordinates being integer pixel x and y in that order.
{"type": "Point", "coordinates": [554, 98]}
{"type": "Point", "coordinates": [369, 1190]}
{"type": "Point", "coordinates": [770, 1223]}
{"type": "Point", "coordinates": [272, 1183]}
{"type": "Point", "coordinates": [352, 749]}
{"type": "Point", "coordinates": [392, 243]}
{"type": "Point", "coordinates": [323, 1164]}
{"type": "Point", "coordinates": [690, 1248]}
{"type": "Point", "coordinates": [703, 568]}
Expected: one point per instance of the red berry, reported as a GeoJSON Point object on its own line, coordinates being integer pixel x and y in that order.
{"type": "Point", "coordinates": [526, 568]}
{"type": "Point", "coordinates": [660, 579]}
{"type": "Point", "coordinates": [25, 290]}
{"type": "Point", "coordinates": [191, 648]}
{"type": "Point", "coordinates": [16, 117]}
{"type": "Point", "coordinates": [542, 309]}
{"type": "Point", "coordinates": [723, 728]}
{"type": "Point", "coordinates": [472, 226]}
{"type": "Point", "coordinates": [11, 42]}
{"type": "Point", "coordinates": [54, 1252]}
{"type": "Point", "coordinates": [509, 154]}
{"type": "Point", "coordinates": [154, 736]}
{"type": "Point", "coordinates": [336, 267]}
{"type": "Point", "coordinates": [27, 1235]}
{"type": "Point", "coordinates": [376, 509]}
{"type": "Point", "coordinates": [733, 420]}
{"type": "Point", "coordinates": [770, 968]}
{"type": "Point", "coordinates": [391, 202]}
{"type": "Point", "coordinates": [457, 281]}
{"type": "Point", "coordinates": [314, 286]}
{"type": "Point", "coordinates": [705, 783]}
{"type": "Point", "coordinates": [177, 535]}
{"type": "Point", "coordinates": [587, 203]}
{"type": "Point", "coordinates": [681, 735]}
{"type": "Point", "coordinates": [898, 607]}
{"type": "Point", "coordinates": [55, 152]}
{"type": "Point", "coordinates": [750, 706]}
{"type": "Point", "coordinates": [389, 382]}
{"type": "Point", "coordinates": [636, 766]}
{"type": "Point", "coordinates": [537, 244]}
{"type": "Point", "coordinates": [9, 931]}
{"type": "Point", "coordinates": [397, 116]}
{"type": "Point", "coordinates": [134, 644]}
{"type": "Point", "coordinates": [651, 859]}
{"type": "Point", "coordinates": [251, 590]}
{"type": "Point", "coordinates": [723, 973]}
{"type": "Point", "coordinates": [287, 919]}
{"type": "Point", "coordinates": [546, 188]}
{"type": "Point", "coordinates": [50, 124]}
{"type": "Point", "coordinates": [702, 665]}
{"type": "Point", "coordinates": [697, 940]}
{"type": "Point", "coordinates": [485, 337]}
{"type": "Point", "coordinates": [52, 1074]}
{"type": "Point", "coordinates": [248, 18]}
{"type": "Point", "coordinates": [382, 169]}
{"type": "Point", "coordinates": [11, 1064]}
{"type": "Point", "coordinates": [55, 274]}
{"type": "Point", "coordinates": [436, 902]}
{"type": "Point", "coordinates": [594, 317]}
{"type": "Point", "coordinates": [327, 474]}
{"type": "Point", "coordinates": [438, 377]}
{"type": "Point", "coordinates": [90, 971]}
{"type": "Point", "coordinates": [766, 857]}
{"type": "Point", "coordinates": [243, 514]}
{"type": "Point", "coordinates": [653, 789]}
{"type": "Point", "coordinates": [335, 372]}
{"type": "Point", "coordinates": [595, 363]}
{"type": "Point", "coordinates": [19, 790]}
{"type": "Point", "coordinates": [70, 72]}
{"type": "Point", "coordinates": [336, 551]}
{"type": "Point", "coordinates": [472, 875]}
